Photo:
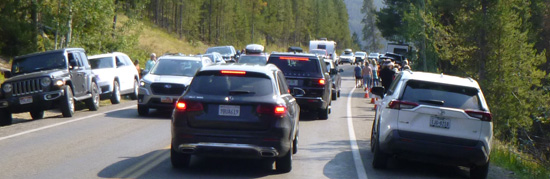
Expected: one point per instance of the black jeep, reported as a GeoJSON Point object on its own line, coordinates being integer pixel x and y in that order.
{"type": "Point", "coordinates": [48, 80]}
{"type": "Point", "coordinates": [306, 72]}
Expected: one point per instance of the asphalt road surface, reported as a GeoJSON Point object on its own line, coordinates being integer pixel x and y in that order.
{"type": "Point", "coordinates": [115, 142]}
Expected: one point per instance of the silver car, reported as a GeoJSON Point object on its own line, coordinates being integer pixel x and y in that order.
{"type": "Point", "coordinates": [167, 81]}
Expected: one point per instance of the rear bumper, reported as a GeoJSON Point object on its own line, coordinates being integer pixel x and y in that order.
{"type": "Point", "coordinates": [225, 149]}
{"type": "Point", "coordinates": [435, 149]}
{"type": "Point", "coordinates": [311, 103]}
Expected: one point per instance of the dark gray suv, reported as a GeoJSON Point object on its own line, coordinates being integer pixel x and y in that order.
{"type": "Point", "coordinates": [236, 110]}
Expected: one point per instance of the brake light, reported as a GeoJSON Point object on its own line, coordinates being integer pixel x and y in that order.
{"type": "Point", "coordinates": [189, 106]}
{"type": "Point", "coordinates": [295, 58]}
{"type": "Point", "coordinates": [322, 81]}
{"type": "Point", "coordinates": [482, 115]}
{"type": "Point", "coordinates": [396, 104]}
{"type": "Point", "coordinates": [264, 109]}
{"type": "Point", "coordinates": [231, 72]}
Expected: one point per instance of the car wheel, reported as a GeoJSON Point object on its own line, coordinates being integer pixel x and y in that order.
{"type": "Point", "coordinates": [134, 95]}
{"type": "Point", "coordinates": [142, 110]}
{"type": "Point", "coordinates": [93, 102]}
{"type": "Point", "coordinates": [284, 164]}
{"type": "Point", "coordinates": [479, 171]}
{"type": "Point", "coordinates": [334, 96]}
{"type": "Point", "coordinates": [38, 114]}
{"type": "Point", "coordinates": [323, 113]}
{"type": "Point", "coordinates": [380, 159]}
{"type": "Point", "coordinates": [5, 117]}
{"type": "Point", "coordinates": [179, 160]}
{"type": "Point", "coordinates": [67, 105]}
{"type": "Point", "coordinates": [115, 97]}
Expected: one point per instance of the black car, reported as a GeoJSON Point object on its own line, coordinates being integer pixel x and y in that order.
{"type": "Point", "coordinates": [309, 73]}
{"type": "Point", "coordinates": [49, 80]}
{"type": "Point", "coordinates": [236, 110]}
{"type": "Point", "coordinates": [397, 58]}
{"type": "Point", "coordinates": [335, 77]}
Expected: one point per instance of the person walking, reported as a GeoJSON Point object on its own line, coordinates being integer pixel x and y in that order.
{"type": "Point", "coordinates": [366, 73]}
{"type": "Point", "coordinates": [150, 63]}
{"type": "Point", "coordinates": [374, 66]}
{"type": "Point", "coordinates": [386, 75]}
{"type": "Point", "coordinates": [358, 76]}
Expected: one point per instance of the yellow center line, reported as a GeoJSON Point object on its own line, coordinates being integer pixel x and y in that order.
{"type": "Point", "coordinates": [145, 165]}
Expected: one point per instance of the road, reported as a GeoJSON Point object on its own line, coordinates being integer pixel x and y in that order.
{"type": "Point", "coordinates": [115, 142]}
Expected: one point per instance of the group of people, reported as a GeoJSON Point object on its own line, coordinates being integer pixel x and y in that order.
{"type": "Point", "coordinates": [369, 75]}
{"type": "Point", "coordinates": [148, 65]}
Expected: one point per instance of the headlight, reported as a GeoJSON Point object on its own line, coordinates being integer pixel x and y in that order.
{"type": "Point", "coordinates": [7, 88]}
{"type": "Point", "coordinates": [45, 81]}
{"type": "Point", "coordinates": [142, 83]}
{"type": "Point", "coordinates": [59, 83]}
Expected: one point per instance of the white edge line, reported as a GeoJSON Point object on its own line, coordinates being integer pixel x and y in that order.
{"type": "Point", "coordinates": [61, 123]}
{"type": "Point", "coordinates": [359, 167]}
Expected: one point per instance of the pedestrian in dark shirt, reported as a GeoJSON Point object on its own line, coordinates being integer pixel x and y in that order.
{"type": "Point", "coordinates": [358, 77]}
{"type": "Point", "coordinates": [386, 75]}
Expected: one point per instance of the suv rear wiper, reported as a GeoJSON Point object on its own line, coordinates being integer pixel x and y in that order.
{"type": "Point", "coordinates": [433, 101]}
{"type": "Point", "coordinates": [234, 92]}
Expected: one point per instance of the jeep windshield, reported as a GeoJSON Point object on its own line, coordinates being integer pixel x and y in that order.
{"type": "Point", "coordinates": [297, 66]}
{"type": "Point", "coordinates": [176, 67]}
{"type": "Point", "coordinates": [38, 63]}
{"type": "Point", "coordinates": [98, 63]}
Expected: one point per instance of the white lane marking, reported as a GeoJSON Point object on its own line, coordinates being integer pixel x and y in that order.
{"type": "Point", "coordinates": [359, 167]}
{"type": "Point", "coordinates": [61, 123]}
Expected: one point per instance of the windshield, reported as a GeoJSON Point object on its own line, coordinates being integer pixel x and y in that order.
{"type": "Point", "coordinates": [98, 63]}
{"type": "Point", "coordinates": [221, 50]}
{"type": "Point", "coordinates": [216, 84]}
{"type": "Point", "coordinates": [442, 94]}
{"type": "Point", "coordinates": [297, 66]}
{"type": "Point", "coordinates": [253, 59]}
{"type": "Point", "coordinates": [176, 67]}
{"type": "Point", "coordinates": [38, 63]}
{"type": "Point", "coordinates": [359, 53]}
{"type": "Point", "coordinates": [347, 54]}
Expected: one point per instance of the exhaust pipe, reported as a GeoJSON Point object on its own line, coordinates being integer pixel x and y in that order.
{"type": "Point", "coordinates": [268, 154]}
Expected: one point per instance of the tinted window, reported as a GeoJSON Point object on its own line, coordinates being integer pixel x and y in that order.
{"type": "Point", "coordinates": [176, 67]}
{"type": "Point", "coordinates": [441, 95]}
{"type": "Point", "coordinates": [39, 62]}
{"type": "Point", "coordinates": [98, 63]}
{"type": "Point", "coordinates": [253, 59]}
{"type": "Point", "coordinates": [297, 66]}
{"type": "Point", "coordinates": [214, 83]}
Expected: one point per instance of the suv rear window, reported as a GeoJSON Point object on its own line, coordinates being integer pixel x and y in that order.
{"type": "Point", "coordinates": [437, 94]}
{"type": "Point", "coordinates": [214, 83]}
{"type": "Point", "coordinates": [297, 66]}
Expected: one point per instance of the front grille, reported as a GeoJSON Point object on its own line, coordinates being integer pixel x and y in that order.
{"type": "Point", "coordinates": [167, 89]}
{"type": "Point", "coordinates": [27, 87]}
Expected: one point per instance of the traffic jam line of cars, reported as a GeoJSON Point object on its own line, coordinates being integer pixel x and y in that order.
{"type": "Point", "coordinates": [251, 109]}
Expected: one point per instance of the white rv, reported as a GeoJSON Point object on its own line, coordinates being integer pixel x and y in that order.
{"type": "Point", "coordinates": [329, 46]}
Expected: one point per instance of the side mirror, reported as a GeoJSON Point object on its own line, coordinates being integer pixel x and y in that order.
{"type": "Point", "coordinates": [378, 91]}
{"type": "Point", "coordinates": [298, 92]}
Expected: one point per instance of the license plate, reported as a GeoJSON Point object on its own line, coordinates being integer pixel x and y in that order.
{"type": "Point", "coordinates": [292, 82]}
{"type": "Point", "coordinates": [229, 110]}
{"type": "Point", "coordinates": [166, 99]}
{"type": "Point", "coordinates": [25, 100]}
{"type": "Point", "coordinates": [440, 122]}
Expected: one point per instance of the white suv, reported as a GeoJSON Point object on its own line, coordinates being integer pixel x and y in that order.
{"type": "Point", "coordinates": [117, 75]}
{"type": "Point", "coordinates": [434, 118]}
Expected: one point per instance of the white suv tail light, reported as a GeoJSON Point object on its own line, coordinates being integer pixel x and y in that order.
{"type": "Point", "coordinates": [396, 104]}
{"type": "Point", "coordinates": [482, 115]}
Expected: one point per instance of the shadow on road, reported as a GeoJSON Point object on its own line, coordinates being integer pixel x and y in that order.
{"type": "Point", "coordinates": [133, 114]}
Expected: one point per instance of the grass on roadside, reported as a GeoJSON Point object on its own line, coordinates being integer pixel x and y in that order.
{"type": "Point", "coordinates": [521, 164]}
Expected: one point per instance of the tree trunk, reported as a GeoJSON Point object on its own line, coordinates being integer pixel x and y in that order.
{"type": "Point", "coordinates": [34, 17]}
{"type": "Point", "coordinates": [114, 19]}
{"type": "Point", "coordinates": [69, 25]}
{"type": "Point", "coordinates": [483, 42]}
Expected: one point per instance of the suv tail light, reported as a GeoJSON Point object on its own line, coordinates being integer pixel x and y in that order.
{"type": "Point", "coordinates": [275, 110]}
{"type": "Point", "coordinates": [322, 81]}
{"type": "Point", "coordinates": [482, 115]}
{"type": "Point", "coordinates": [396, 104]}
{"type": "Point", "coordinates": [189, 106]}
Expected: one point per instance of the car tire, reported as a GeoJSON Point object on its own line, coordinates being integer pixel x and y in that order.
{"type": "Point", "coordinates": [38, 114]}
{"type": "Point", "coordinates": [134, 95]}
{"type": "Point", "coordinates": [380, 159]}
{"type": "Point", "coordinates": [143, 111]}
{"type": "Point", "coordinates": [93, 102]}
{"type": "Point", "coordinates": [115, 96]}
{"type": "Point", "coordinates": [67, 105]}
{"type": "Point", "coordinates": [323, 113]}
{"type": "Point", "coordinates": [479, 171]}
{"type": "Point", "coordinates": [5, 117]}
{"type": "Point", "coordinates": [179, 160]}
{"type": "Point", "coordinates": [334, 96]}
{"type": "Point", "coordinates": [284, 164]}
